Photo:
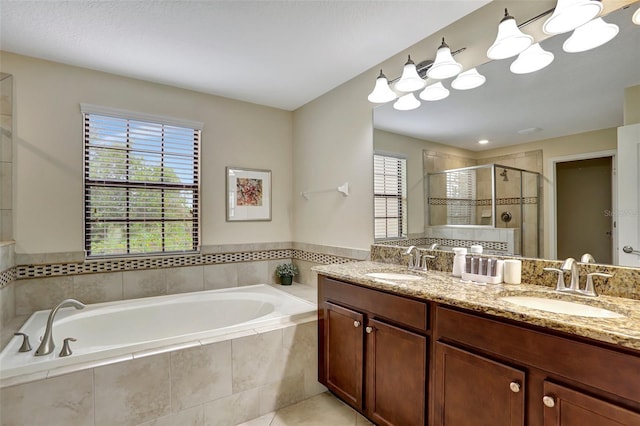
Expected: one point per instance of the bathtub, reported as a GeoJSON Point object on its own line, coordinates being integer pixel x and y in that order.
{"type": "Point", "coordinates": [123, 330]}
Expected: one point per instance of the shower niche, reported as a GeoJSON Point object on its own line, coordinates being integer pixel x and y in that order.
{"type": "Point", "coordinates": [475, 203]}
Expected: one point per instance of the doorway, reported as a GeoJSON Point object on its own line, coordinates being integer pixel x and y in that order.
{"type": "Point", "coordinates": [583, 209]}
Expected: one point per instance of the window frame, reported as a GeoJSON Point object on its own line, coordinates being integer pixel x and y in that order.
{"type": "Point", "coordinates": [400, 195]}
{"type": "Point", "coordinates": [87, 111]}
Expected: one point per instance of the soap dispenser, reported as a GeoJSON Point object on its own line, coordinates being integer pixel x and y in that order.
{"type": "Point", "coordinates": [459, 261]}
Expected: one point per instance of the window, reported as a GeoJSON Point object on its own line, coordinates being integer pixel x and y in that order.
{"type": "Point", "coordinates": [141, 183]}
{"type": "Point", "coordinates": [389, 196]}
{"type": "Point", "coordinates": [461, 190]}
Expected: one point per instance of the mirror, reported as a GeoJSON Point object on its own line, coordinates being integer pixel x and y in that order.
{"type": "Point", "coordinates": [528, 118]}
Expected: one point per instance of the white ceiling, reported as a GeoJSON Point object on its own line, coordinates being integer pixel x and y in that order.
{"type": "Point", "coordinates": [578, 92]}
{"type": "Point", "coordinates": [276, 53]}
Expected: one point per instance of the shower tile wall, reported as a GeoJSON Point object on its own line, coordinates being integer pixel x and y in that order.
{"type": "Point", "coordinates": [6, 157]}
{"type": "Point", "coordinates": [533, 161]}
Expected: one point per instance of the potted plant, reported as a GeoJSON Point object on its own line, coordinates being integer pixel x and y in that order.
{"type": "Point", "coordinates": [285, 272]}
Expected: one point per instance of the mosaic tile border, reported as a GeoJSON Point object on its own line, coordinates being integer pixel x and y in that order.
{"type": "Point", "coordinates": [481, 202]}
{"type": "Point", "coordinates": [117, 265]}
{"type": "Point", "coordinates": [7, 277]}
{"type": "Point", "coordinates": [446, 242]}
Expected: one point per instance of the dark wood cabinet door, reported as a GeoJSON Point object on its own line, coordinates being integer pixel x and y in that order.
{"type": "Point", "coordinates": [476, 391]}
{"type": "Point", "coordinates": [344, 347]}
{"type": "Point", "coordinates": [396, 375]}
{"type": "Point", "coordinates": [567, 407]}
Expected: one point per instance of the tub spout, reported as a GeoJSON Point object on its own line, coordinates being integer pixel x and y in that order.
{"type": "Point", "coordinates": [47, 345]}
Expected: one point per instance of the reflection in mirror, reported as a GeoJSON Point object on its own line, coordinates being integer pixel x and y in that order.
{"type": "Point", "coordinates": [573, 107]}
{"type": "Point", "coordinates": [490, 195]}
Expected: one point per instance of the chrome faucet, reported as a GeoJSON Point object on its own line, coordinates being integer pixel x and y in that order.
{"type": "Point", "coordinates": [47, 345]}
{"type": "Point", "coordinates": [434, 246]}
{"type": "Point", "coordinates": [414, 259]}
{"type": "Point", "coordinates": [571, 265]}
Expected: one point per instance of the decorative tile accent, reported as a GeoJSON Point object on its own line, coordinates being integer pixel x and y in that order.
{"type": "Point", "coordinates": [481, 202]}
{"type": "Point", "coordinates": [445, 242]}
{"type": "Point", "coordinates": [7, 277]}
{"type": "Point", "coordinates": [117, 265]}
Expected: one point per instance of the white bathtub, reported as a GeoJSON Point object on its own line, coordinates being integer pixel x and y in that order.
{"type": "Point", "coordinates": [117, 331]}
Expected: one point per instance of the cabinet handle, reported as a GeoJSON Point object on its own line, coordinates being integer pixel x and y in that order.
{"type": "Point", "coordinates": [548, 401]}
{"type": "Point", "coordinates": [356, 324]}
{"type": "Point", "coordinates": [515, 387]}
{"type": "Point", "coordinates": [369, 330]}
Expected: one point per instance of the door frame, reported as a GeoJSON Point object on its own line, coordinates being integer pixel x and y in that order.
{"type": "Point", "coordinates": [552, 199]}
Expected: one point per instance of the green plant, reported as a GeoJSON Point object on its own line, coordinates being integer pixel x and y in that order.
{"type": "Point", "coordinates": [286, 270]}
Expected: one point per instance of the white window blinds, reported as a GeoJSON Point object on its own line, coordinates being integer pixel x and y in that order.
{"type": "Point", "coordinates": [390, 196]}
{"type": "Point", "coordinates": [461, 191]}
{"type": "Point", "coordinates": [141, 184]}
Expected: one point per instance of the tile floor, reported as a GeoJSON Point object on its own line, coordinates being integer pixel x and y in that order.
{"type": "Point", "coordinates": [320, 410]}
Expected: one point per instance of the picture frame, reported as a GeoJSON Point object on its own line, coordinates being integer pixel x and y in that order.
{"type": "Point", "coordinates": [248, 195]}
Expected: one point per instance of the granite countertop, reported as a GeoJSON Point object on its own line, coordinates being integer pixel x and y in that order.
{"type": "Point", "coordinates": [443, 288]}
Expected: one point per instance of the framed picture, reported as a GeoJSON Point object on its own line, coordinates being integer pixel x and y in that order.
{"type": "Point", "coordinates": [248, 194]}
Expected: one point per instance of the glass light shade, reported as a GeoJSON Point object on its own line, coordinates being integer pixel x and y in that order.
{"type": "Point", "coordinates": [589, 36]}
{"type": "Point", "coordinates": [381, 92]}
{"type": "Point", "coordinates": [531, 60]}
{"type": "Point", "coordinates": [434, 92]}
{"type": "Point", "coordinates": [444, 66]}
{"type": "Point", "coordinates": [510, 40]}
{"type": "Point", "coordinates": [636, 17]}
{"type": "Point", "coordinates": [570, 14]}
{"type": "Point", "coordinates": [468, 80]}
{"type": "Point", "coordinates": [410, 80]}
{"type": "Point", "coordinates": [406, 102]}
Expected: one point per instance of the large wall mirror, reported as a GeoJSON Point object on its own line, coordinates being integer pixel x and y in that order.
{"type": "Point", "coordinates": [568, 112]}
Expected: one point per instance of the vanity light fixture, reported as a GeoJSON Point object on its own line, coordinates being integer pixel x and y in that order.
{"type": "Point", "coordinates": [531, 60]}
{"type": "Point", "coordinates": [410, 80]}
{"type": "Point", "coordinates": [589, 36]}
{"type": "Point", "coordinates": [570, 14]}
{"type": "Point", "coordinates": [406, 102]}
{"type": "Point", "coordinates": [469, 79]}
{"type": "Point", "coordinates": [636, 17]}
{"type": "Point", "coordinates": [434, 92]}
{"type": "Point", "coordinates": [510, 40]}
{"type": "Point", "coordinates": [382, 92]}
{"type": "Point", "coordinates": [444, 65]}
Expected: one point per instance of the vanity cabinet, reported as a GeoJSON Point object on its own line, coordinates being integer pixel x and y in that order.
{"type": "Point", "coordinates": [472, 390]}
{"type": "Point", "coordinates": [491, 371]}
{"type": "Point", "coordinates": [373, 350]}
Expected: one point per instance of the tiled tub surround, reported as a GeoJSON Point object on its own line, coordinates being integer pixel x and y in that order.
{"type": "Point", "coordinates": [224, 380]}
{"type": "Point", "coordinates": [441, 287]}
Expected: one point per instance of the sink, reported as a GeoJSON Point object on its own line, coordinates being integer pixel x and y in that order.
{"type": "Point", "coordinates": [393, 276]}
{"type": "Point", "coordinates": [561, 307]}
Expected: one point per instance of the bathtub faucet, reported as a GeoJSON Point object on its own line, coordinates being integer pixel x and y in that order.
{"type": "Point", "coordinates": [47, 345]}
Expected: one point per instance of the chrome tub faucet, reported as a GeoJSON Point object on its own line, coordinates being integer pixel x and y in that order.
{"type": "Point", "coordinates": [47, 345]}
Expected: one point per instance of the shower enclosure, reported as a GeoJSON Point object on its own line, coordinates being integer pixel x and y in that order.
{"type": "Point", "coordinates": [487, 196]}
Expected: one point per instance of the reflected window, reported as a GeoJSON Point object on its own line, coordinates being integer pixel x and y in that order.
{"type": "Point", "coordinates": [461, 190]}
{"type": "Point", "coordinates": [389, 196]}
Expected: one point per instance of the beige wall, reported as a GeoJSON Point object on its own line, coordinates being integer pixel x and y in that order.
{"type": "Point", "coordinates": [48, 143]}
{"type": "Point", "coordinates": [632, 105]}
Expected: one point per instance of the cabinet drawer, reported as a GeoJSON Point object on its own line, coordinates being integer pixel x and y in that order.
{"type": "Point", "coordinates": [395, 309]}
{"type": "Point", "coordinates": [606, 369]}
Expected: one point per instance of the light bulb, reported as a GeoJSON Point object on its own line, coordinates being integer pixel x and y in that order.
{"type": "Point", "coordinates": [382, 92]}
{"type": "Point", "coordinates": [468, 80]}
{"type": "Point", "coordinates": [531, 60]}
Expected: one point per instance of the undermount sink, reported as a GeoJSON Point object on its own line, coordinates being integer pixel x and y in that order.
{"type": "Point", "coordinates": [393, 276]}
{"type": "Point", "coordinates": [561, 307]}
